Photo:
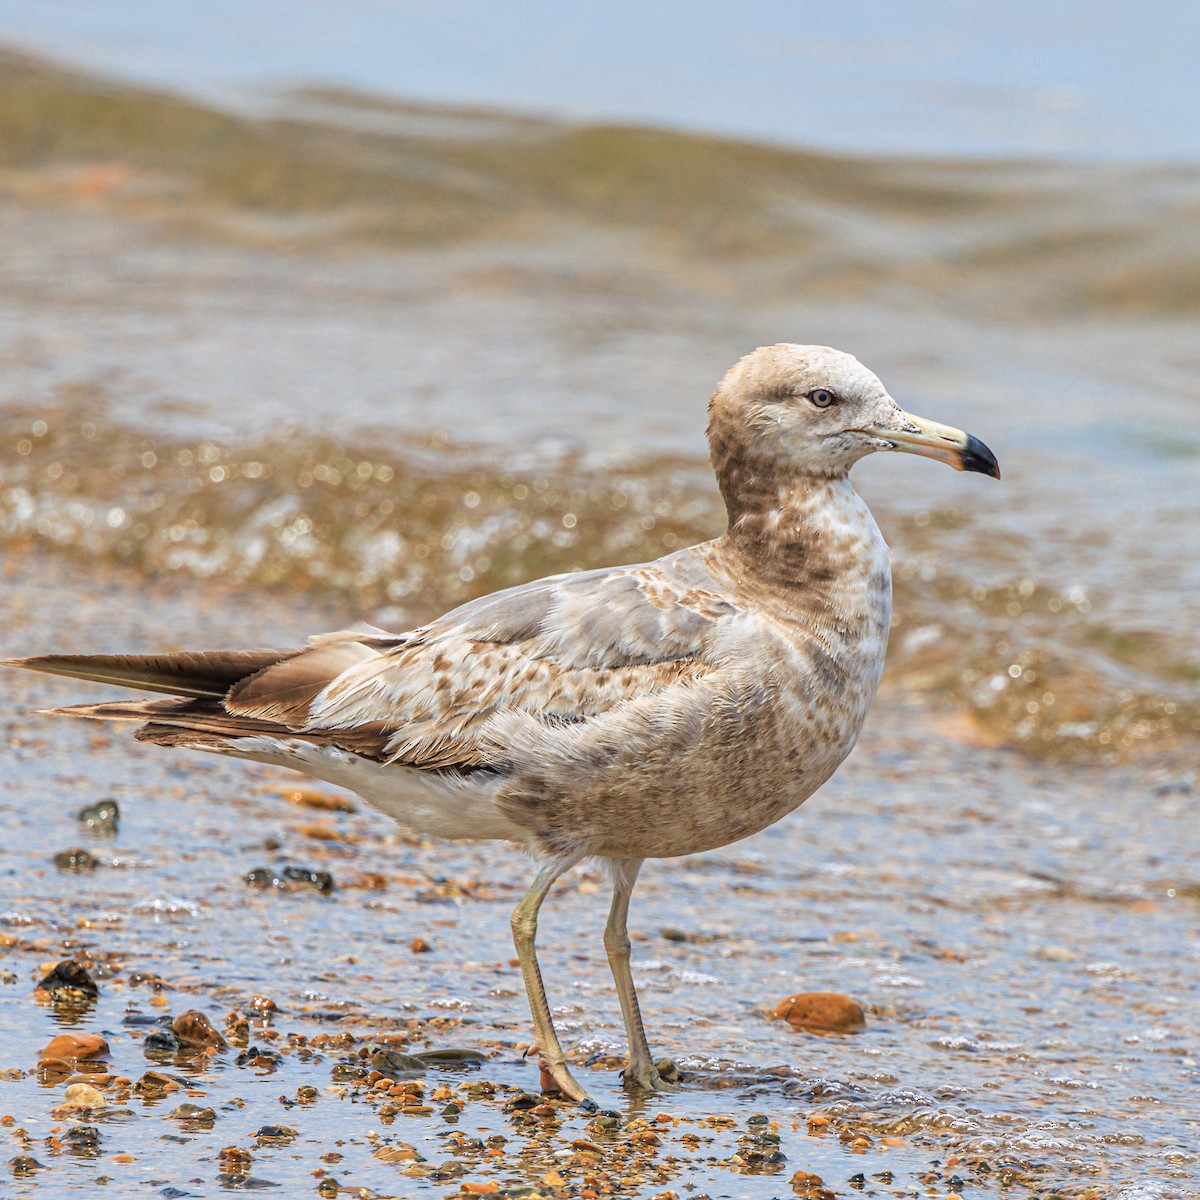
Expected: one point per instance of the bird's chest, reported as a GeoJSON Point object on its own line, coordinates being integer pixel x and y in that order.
{"type": "Point", "coordinates": [833, 621]}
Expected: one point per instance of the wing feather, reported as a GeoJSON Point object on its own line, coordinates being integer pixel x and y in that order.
{"type": "Point", "coordinates": [561, 650]}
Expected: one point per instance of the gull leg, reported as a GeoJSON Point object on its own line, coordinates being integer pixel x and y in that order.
{"type": "Point", "coordinates": [524, 928]}
{"type": "Point", "coordinates": [641, 1074]}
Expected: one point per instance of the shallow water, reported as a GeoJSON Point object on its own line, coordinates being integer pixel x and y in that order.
{"type": "Point", "coordinates": [263, 377]}
{"type": "Point", "coordinates": [1024, 940]}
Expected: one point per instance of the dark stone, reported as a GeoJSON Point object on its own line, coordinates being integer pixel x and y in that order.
{"type": "Point", "coordinates": [159, 1042]}
{"type": "Point", "coordinates": [69, 977]}
{"type": "Point", "coordinates": [77, 860]}
{"type": "Point", "coordinates": [321, 880]}
{"type": "Point", "coordinates": [276, 1133]}
{"type": "Point", "coordinates": [394, 1063]}
{"type": "Point", "coordinates": [102, 817]}
{"type": "Point", "coordinates": [450, 1056]}
{"type": "Point", "coordinates": [82, 1140]}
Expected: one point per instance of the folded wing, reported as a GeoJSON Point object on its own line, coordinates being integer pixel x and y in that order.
{"type": "Point", "coordinates": [560, 650]}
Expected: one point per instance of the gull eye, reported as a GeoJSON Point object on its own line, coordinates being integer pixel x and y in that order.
{"type": "Point", "coordinates": [821, 398]}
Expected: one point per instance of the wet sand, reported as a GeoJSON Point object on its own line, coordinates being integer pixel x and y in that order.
{"type": "Point", "coordinates": [1022, 938]}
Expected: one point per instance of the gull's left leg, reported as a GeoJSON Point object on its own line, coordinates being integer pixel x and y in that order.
{"type": "Point", "coordinates": [641, 1074]}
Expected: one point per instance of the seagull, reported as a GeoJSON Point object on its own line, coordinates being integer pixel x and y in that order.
{"type": "Point", "coordinates": [620, 714]}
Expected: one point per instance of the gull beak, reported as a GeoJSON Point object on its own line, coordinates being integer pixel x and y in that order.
{"type": "Point", "coordinates": [962, 451]}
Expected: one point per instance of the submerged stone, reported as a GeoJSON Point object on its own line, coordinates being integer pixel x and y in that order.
{"type": "Point", "coordinates": [72, 1047]}
{"type": "Point", "coordinates": [102, 817]}
{"type": "Point", "coordinates": [193, 1028]}
{"type": "Point", "coordinates": [290, 879]}
{"type": "Point", "coordinates": [77, 860]}
{"type": "Point", "coordinates": [160, 1042]}
{"type": "Point", "coordinates": [83, 1095]}
{"type": "Point", "coordinates": [450, 1056]}
{"type": "Point", "coordinates": [822, 1012]}
{"type": "Point", "coordinates": [69, 981]}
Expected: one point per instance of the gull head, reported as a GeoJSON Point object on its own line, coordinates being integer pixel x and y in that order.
{"type": "Point", "coordinates": [811, 410]}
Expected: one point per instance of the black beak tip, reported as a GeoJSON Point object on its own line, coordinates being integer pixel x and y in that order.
{"type": "Point", "coordinates": [977, 457]}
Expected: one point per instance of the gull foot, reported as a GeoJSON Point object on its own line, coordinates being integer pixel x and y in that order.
{"type": "Point", "coordinates": [555, 1079]}
{"type": "Point", "coordinates": [662, 1075]}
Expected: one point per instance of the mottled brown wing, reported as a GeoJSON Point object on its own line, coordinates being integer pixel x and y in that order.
{"type": "Point", "coordinates": [562, 650]}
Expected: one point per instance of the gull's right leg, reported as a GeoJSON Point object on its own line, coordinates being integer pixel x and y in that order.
{"type": "Point", "coordinates": [642, 1073]}
{"type": "Point", "coordinates": [524, 927]}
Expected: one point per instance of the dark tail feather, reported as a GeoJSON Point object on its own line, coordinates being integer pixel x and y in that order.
{"type": "Point", "coordinates": [202, 675]}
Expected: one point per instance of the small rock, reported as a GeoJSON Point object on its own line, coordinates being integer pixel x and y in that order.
{"type": "Point", "coordinates": [312, 798]}
{"type": "Point", "coordinates": [24, 1165]}
{"type": "Point", "coordinates": [237, 1028]}
{"type": "Point", "coordinates": [83, 1140]}
{"type": "Point", "coordinates": [77, 860]}
{"type": "Point", "coordinates": [83, 1095]}
{"type": "Point", "coordinates": [193, 1113]}
{"type": "Point", "coordinates": [68, 981]}
{"type": "Point", "coordinates": [148, 979]}
{"type": "Point", "coordinates": [810, 1186]}
{"type": "Point", "coordinates": [1057, 954]}
{"type": "Point", "coordinates": [290, 879]}
{"type": "Point", "coordinates": [450, 1056]}
{"type": "Point", "coordinates": [322, 881]}
{"type": "Point", "coordinates": [237, 1181]}
{"type": "Point", "coordinates": [419, 946]}
{"type": "Point", "coordinates": [276, 1133]}
{"type": "Point", "coordinates": [827, 1012]}
{"type": "Point", "coordinates": [395, 1062]}
{"type": "Point", "coordinates": [193, 1028]}
{"type": "Point", "coordinates": [398, 1152]}
{"type": "Point", "coordinates": [260, 1060]}
{"type": "Point", "coordinates": [102, 816]}
{"type": "Point", "coordinates": [159, 1042]}
{"type": "Point", "coordinates": [72, 1047]}
{"type": "Point", "coordinates": [155, 1083]}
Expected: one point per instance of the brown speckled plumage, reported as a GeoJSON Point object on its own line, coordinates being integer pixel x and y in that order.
{"type": "Point", "coordinates": [625, 713]}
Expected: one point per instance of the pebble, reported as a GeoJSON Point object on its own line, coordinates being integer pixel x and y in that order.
{"type": "Point", "coordinates": [290, 879]}
{"type": "Point", "coordinates": [193, 1028]}
{"type": "Point", "coordinates": [829, 1012]}
{"type": "Point", "coordinates": [810, 1186]}
{"type": "Point", "coordinates": [68, 981]}
{"type": "Point", "coordinates": [103, 816]}
{"type": "Point", "coordinates": [312, 798]}
{"type": "Point", "coordinates": [159, 1042]}
{"type": "Point", "coordinates": [276, 1133]}
{"type": "Point", "coordinates": [72, 1047]}
{"type": "Point", "coordinates": [155, 1083]}
{"type": "Point", "coordinates": [192, 1112]}
{"type": "Point", "coordinates": [83, 1095]}
{"type": "Point", "coordinates": [83, 1139]}
{"type": "Point", "coordinates": [450, 1055]}
{"type": "Point", "coordinates": [77, 860]}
